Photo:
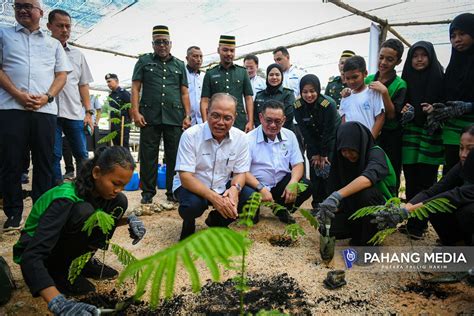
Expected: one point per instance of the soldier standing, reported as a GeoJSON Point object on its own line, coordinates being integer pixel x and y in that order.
{"type": "Point", "coordinates": [337, 83]}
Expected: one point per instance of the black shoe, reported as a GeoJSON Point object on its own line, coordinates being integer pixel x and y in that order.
{"type": "Point", "coordinates": [12, 223]}
{"type": "Point", "coordinates": [285, 217]}
{"type": "Point", "coordinates": [189, 227]}
{"type": "Point", "coordinates": [93, 270]}
{"type": "Point", "coordinates": [81, 286]}
{"type": "Point", "coordinates": [171, 198]}
{"type": "Point", "coordinates": [146, 199]}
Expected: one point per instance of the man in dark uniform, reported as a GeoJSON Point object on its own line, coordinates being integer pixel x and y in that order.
{"type": "Point", "coordinates": [118, 97]}
{"type": "Point", "coordinates": [337, 83]}
{"type": "Point", "coordinates": [229, 78]}
{"type": "Point", "coordinates": [164, 108]}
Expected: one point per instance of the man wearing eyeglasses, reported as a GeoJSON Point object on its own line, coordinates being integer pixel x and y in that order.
{"type": "Point", "coordinates": [276, 162]}
{"type": "Point", "coordinates": [164, 107]}
{"type": "Point", "coordinates": [209, 153]}
{"type": "Point", "coordinates": [33, 70]}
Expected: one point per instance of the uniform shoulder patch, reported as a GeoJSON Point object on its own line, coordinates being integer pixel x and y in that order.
{"type": "Point", "coordinates": [298, 104]}
{"type": "Point", "coordinates": [331, 79]}
{"type": "Point", "coordinates": [325, 103]}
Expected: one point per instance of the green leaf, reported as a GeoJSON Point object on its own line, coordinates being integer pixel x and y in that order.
{"type": "Point", "coordinates": [99, 219]}
{"type": "Point", "coordinates": [380, 236]}
{"type": "Point", "coordinates": [124, 257]}
{"type": "Point", "coordinates": [212, 245]}
{"type": "Point", "coordinates": [115, 120]}
{"type": "Point", "coordinates": [368, 210]}
{"type": "Point", "coordinates": [249, 210]}
{"type": "Point", "coordinates": [107, 138]}
{"type": "Point", "coordinates": [311, 219]}
{"type": "Point", "coordinates": [294, 231]}
{"type": "Point", "coordinates": [270, 313]}
{"type": "Point", "coordinates": [77, 265]}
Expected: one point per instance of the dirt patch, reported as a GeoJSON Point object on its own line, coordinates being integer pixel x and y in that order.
{"type": "Point", "coordinates": [338, 303]}
{"type": "Point", "coordinates": [282, 241]}
{"type": "Point", "coordinates": [428, 290]}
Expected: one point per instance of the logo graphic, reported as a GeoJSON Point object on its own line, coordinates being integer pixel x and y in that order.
{"type": "Point", "coordinates": [350, 256]}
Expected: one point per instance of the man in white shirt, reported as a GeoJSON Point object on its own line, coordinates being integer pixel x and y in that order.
{"type": "Point", "coordinates": [291, 73]}
{"type": "Point", "coordinates": [208, 154]}
{"type": "Point", "coordinates": [276, 161]}
{"type": "Point", "coordinates": [74, 100]}
{"type": "Point", "coordinates": [33, 70]}
{"type": "Point", "coordinates": [195, 78]}
{"type": "Point", "coordinates": [258, 83]}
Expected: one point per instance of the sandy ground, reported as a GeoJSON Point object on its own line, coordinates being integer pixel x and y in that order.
{"type": "Point", "coordinates": [379, 293]}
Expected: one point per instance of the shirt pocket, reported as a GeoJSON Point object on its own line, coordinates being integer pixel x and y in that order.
{"type": "Point", "coordinates": [174, 77]}
{"type": "Point", "coordinates": [150, 71]}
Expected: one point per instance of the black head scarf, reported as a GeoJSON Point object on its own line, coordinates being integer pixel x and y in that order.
{"type": "Point", "coordinates": [425, 85]}
{"type": "Point", "coordinates": [467, 171]}
{"type": "Point", "coordinates": [312, 80]}
{"type": "Point", "coordinates": [355, 136]}
{"type": "Point", "coordinates": [273, 89]}
{"type": "Point", "coordinates": [459, 78]}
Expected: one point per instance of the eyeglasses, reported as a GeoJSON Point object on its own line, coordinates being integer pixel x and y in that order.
{"type": "Point", "coordinates": [217, 117]}
{"type": "Point", "coordinates": [26, 6]}
{"type": "Point", "coordinates": [269, 121]}
{"type": "Point", "coordinates": [161, 42]}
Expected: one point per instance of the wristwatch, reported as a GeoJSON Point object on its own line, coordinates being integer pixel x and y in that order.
{"type": "Point", "coordinates": [50, 97]}
{"type": "Point", "coordinates": [188, 117]}
{"type": "Point", "coordinates": [259, 187]}
{"type": "Point", "coordinates": [237, 186]}
{"type": "Point", "coordinates": [91, 112]}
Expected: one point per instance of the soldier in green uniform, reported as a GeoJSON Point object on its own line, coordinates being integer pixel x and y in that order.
{"type": "Point", "coordinates": [337, 83]}
{"type": "Point", "coordinates": [163, 108]}
{"type": "Point", "coordinates": [229, 78]}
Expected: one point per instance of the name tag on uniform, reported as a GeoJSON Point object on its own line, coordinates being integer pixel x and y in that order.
{"type": "Point", "coordinates": [216, 76]}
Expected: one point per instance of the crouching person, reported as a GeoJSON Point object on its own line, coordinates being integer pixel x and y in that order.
{"type": "Point", "coordinates": [208, 155]}
{"type": "Point", "coordinates": [52, 237]}
{"type": "Point", "coordinates": [276, 161]}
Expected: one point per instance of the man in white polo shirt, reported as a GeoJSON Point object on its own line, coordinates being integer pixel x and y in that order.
{"type": "Point", "coordinates": [276, 161]}
{"type": "Point", "coordinates": [208, 154]}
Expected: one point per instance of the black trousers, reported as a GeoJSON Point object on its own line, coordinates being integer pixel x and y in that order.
{"type": "Point", "coordinates": [391, 142]}
{"type": "Point", "coordinates": [418, 177]}
{"type": "Point", "coordinates": [360, 230]}
{"type": "Point", "coordinates": [319, 187]}
{"type": "Point", "coordinates": [278, 190]}
{"type": "Point", "coordinates": [67, 156]}
{"type": "Point", "coordinates": [150, 138]}
{"type": "Point", "coordinates": [73, 242]}
{"type": "Point", "coordinates": [20, 130]}
{"type": "Point", "coordinates": [451, 157]}
{"type": "Point", "coordinates": [455, 227]}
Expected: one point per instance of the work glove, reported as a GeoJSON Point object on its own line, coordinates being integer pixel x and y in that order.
{"type": "Point", "coordinates": [442, 112]}
{"type": "Point", "coordinates": [328, 207]}
{"type": "Point", "coordinates": [390, 218]}
{"type": "Point", "coordinates": [408, 115]}
{"type": "Point", "coordinates": [432, 125]}
{"type": "Point", "coordinates": [60, 306]}
{"type": "Point", "coordinates": [136, 228]}
{"type": "Point", "coordinates": [323, 172]}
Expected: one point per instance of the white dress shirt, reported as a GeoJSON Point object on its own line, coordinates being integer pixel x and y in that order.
{"type": "Point", "coordinates": [30, 60]}
{"type": "Point", "coordinates": [210, 162]}
{"type": "Point", "coordinates": [271, 160]}
{"type": "Point", "coordinates": [195, 87]}
{"type": "Point", "coordinates": [292, 78]}
{"type": "Point", "coordinates": [258, 84]}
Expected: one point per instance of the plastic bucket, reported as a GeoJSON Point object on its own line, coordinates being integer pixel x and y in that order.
{"type": "Point", "coordinates": [133, 184]}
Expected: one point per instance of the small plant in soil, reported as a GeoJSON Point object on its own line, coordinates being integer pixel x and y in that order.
{"type": "Point", "coordinates": [115, 120]}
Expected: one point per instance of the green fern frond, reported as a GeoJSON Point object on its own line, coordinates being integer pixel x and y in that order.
{"type": "Point", "coordinates": [115, 120]}
{"type": "Point", "coordinates": [368, 210]}
{"type": "Point", "coordinates": [380, 236]}
{"type": "Point", "coordinates": [294, 231]}
{"type": "Point", "coordinates": [107, 138]}
{"type": "Point", "coordinates": [310, 218]}
{"type": "Point", "coordinates": [249, 210]}
{"type": "Point", "coordinates": [270, 313]}
{"type": "Point", "coordinates": [214, 245]}
{"type": "Point", "coordinates": [440, 205]}
{"type": "Point", "coordinates": [124, 256]}
{"type": "Point", "coordinates": [297, 187]}
{"type": "Point", "coordinates": [99, 219]}
{"type": "Point", "coordinates": [126, 106]}
{"type": "Point", "coordinates": [77, 265]}
{"type": "Point", "coordinates": [129, 125]}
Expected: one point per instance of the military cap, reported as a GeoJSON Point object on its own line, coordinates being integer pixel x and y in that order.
{"type": "Point", "coordinates": [228, 40]}
{"type": "Point", "coordinates": [347, 53]}
{"type": "Point", "coordinates": [161, 30]}
{"type": "Point", "coordinates": [111, 76]}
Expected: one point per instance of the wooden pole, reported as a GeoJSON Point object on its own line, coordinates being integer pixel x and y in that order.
{"type": "Point", "coordinates": [121, 130]}
{"type": "Point", "coordinates": [103, 50]}
{"type": "Point", "coordinates": [349, 8]}
{"type": "Point", "coordinates": [399, 36]}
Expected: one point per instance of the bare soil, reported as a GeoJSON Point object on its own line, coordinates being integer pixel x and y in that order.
{"type": "Point", "coordinates": [288, 279]}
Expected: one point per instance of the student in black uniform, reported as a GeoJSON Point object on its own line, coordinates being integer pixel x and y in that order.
{"type": "Point", "coordinates": [52, 237]}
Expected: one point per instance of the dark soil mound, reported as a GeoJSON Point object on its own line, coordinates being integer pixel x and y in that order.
{"type": "Point", "coordinates": [426, 289]}
{"type": "Point", "coordinates": [281, 241]}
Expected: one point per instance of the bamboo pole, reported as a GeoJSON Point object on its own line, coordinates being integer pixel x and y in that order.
{"type": "Point", "coordinates": [102, 50]}
{"type": "Point", "coordinates": [415, 23]}
{"type": "Point", "coordinates": [121, 130]}
{"type": "Point", "coordinates": [399, 36]}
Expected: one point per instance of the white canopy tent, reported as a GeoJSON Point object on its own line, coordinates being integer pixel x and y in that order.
{"type": "Point", "coordinates": [124, 26]}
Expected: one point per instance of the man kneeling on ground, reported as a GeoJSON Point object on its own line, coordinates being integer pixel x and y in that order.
{"type": "Point", "coordinates": [276, 161]}
{"type": "Point", "coordinates": [208, 155]}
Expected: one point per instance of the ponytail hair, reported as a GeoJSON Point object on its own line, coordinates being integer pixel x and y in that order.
{"type": "Point", "coordinates": [106, 158]}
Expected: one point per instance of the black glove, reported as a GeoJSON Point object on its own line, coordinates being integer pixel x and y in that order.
{"type": "Point", "coordinates": [390, 218]}
{"type": "Point", "coordinates": [323, 172]}
{"type": "Point", "coordinates": [61, 306]}
{"type": "Point", "coordinates": [408, 115]}
{"type": "Point", "coordinates": [328, 207]}
{"type": "Point", "coordinates": [432, 125]}
{"type": "Point", "coordinates": [136, 228]}
{"type": "Point", "coordinates": [443, 112]}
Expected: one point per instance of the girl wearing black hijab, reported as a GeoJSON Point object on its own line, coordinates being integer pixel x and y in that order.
{"type": "Point", "coordinates": [422, 153]}
{"type": "Point", "coordinates": [275, 91]}
{"type": "Point", "coordinates": [459, 83]}
{"type": "Point", "coordinates": [318, 120]}
{"type": "Point", "coordinates": [457, 186]}
{"type": "Point", "coordinates": [361, 175]}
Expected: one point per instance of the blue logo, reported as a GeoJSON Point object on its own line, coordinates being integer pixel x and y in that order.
{"type": "Point", "coordinates": [350, 256]}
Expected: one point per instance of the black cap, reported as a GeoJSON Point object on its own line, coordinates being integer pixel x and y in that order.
{"type": "Point", "coordinates": [111, 76]}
